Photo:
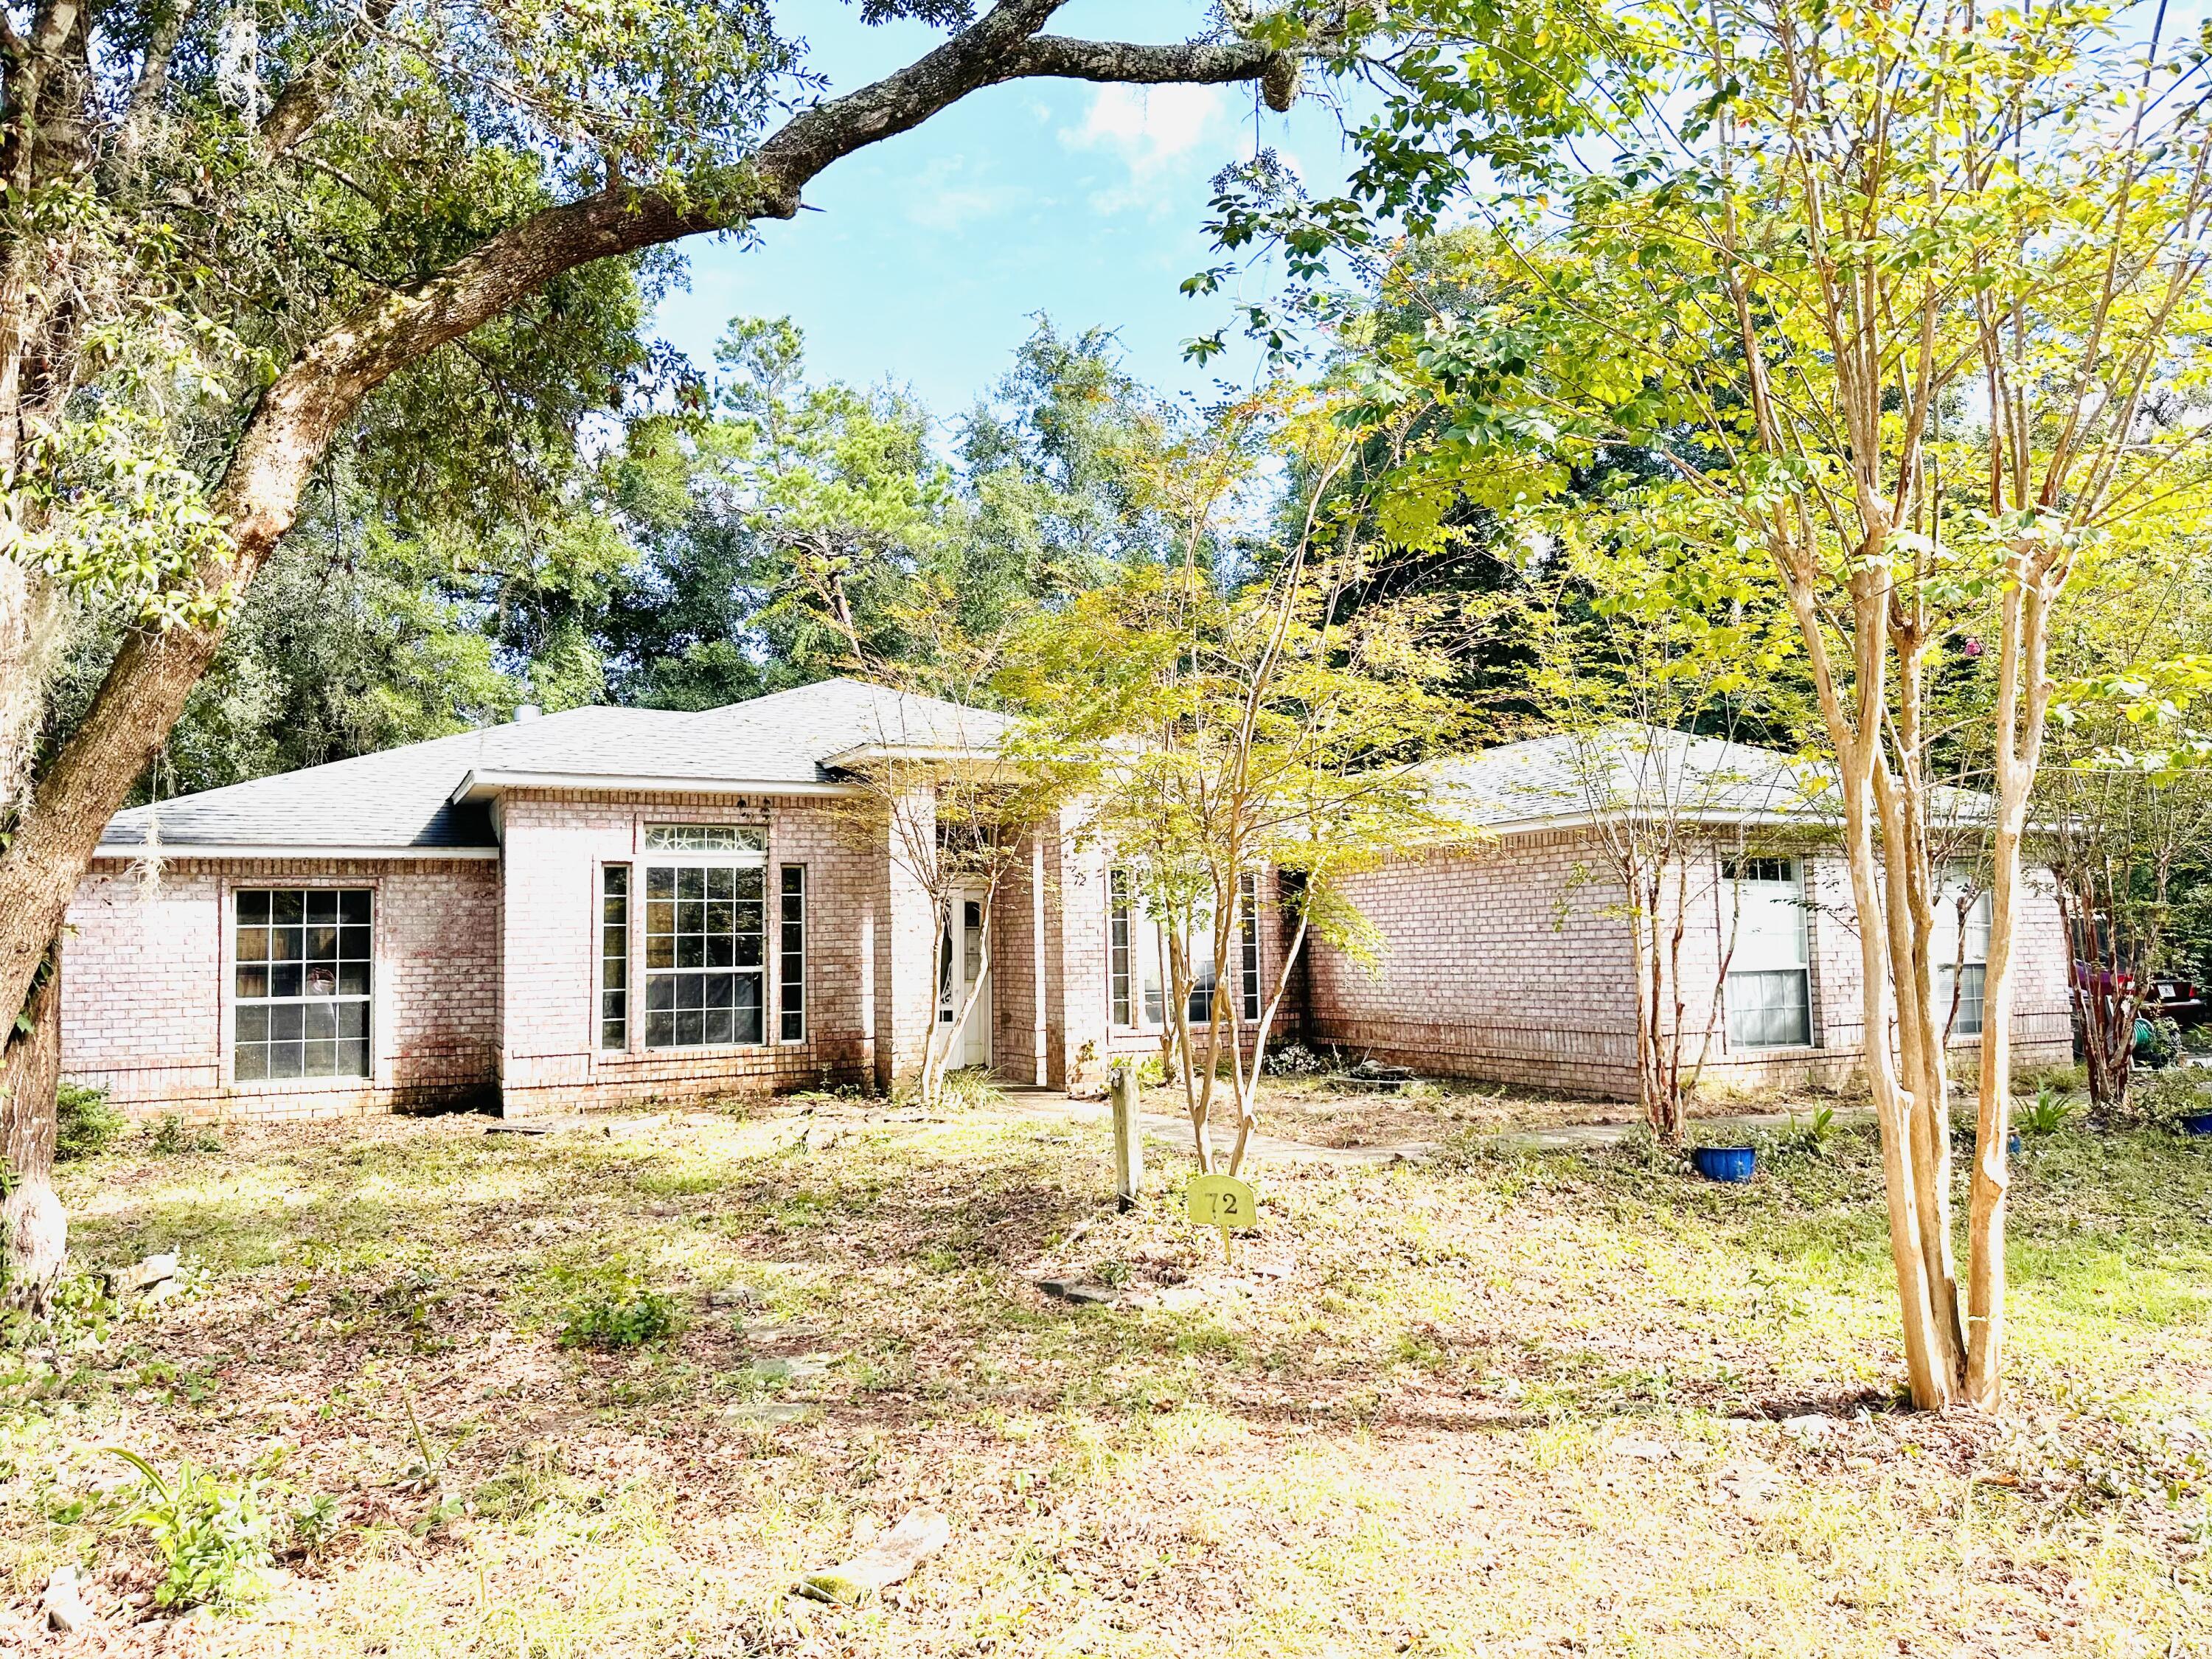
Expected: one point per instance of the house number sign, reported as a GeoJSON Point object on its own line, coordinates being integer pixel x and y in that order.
{"type": "Point", "coordinates": [1224, 1201]}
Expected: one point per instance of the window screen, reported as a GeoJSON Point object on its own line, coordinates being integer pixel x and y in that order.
{"type": "Point", "coordinates": [303, 966]}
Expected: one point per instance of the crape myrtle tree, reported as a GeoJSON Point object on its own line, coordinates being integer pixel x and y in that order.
{"type": "Point", "coordinates": [1235, 727]}
{"type": "Point", "coordinates": [1910, 300]}
{"type": "Point", "coordinates": [234, 237]}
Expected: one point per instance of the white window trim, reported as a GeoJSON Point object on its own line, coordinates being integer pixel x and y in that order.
{"type": "Point", "coordinates": [227, 986]}
{"type": "Point", "coordinates": [1801, 871]}
{"type": "Point", "coordinates": [644, 977]}
{"type": "Point", "coordinates": [1139, 918]}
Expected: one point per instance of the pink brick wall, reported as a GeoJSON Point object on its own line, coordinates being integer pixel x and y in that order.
{"type": "Point", "coordinates": [1513, 962]}
{"type": "Point", "coordinates": [147, 978]}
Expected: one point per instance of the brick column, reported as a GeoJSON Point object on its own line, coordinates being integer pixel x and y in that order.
{"type": "Point", "coordinates": [905, 943]}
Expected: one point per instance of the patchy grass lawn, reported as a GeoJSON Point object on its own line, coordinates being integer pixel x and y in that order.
{"type": "Point", "coordinates": [1566, 1405]}
{"type": "Point", "coordinates": [1332, 1109]}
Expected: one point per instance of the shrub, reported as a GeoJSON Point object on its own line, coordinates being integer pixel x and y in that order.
{"type": "Point", "coordinates": [2060, 1079]}
{"type": "Point", "coordinates": [2047, 1115]}
{"type": "Point", "coordinates": [84, 1122]}
{"type": "Point", "coordinates": [1809, 1137]}
{"type": "Point", "coordinates": [2164, 1100]}
{"type": "Point", "coordinates": [213, 1537]}
{"type": "Point", "coordinates": [1295, 1059]}
{"type": "Point", "coordinates": [628, 1316]}
{"type": "Point", "coordinates": [968, 1088]}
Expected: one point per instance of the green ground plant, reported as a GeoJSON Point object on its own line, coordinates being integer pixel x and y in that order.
{"type": "Point", "coordinates": [1578, 1396]}
{"type": "Point", "coordinates": [623, 1317]}
{"type": "Point", "coordinates": [212, 1535]}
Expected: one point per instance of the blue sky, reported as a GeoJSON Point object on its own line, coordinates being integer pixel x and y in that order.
{"type": "Point", "coordinates": [931, 253]}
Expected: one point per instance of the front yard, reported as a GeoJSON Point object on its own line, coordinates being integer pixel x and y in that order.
{"type": "Point", "coordinates": [1571, 1404]}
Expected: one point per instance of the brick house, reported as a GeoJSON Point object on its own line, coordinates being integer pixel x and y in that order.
{"type": "Point", "coordinates": [1509, 957]}
{"type": "Point", "coordinates": [613, 905]}
{"type": "Point", "coordinates": [601, 906]}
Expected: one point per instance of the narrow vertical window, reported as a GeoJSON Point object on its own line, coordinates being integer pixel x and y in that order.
{"type": "Point", "coordinates": [1118, 946]}
{"type": "Point", "coordinates": [1248, 941]}
{"type": "Point", "coordinates": [614, 957]}
{"type": "Point", "coordinates": [791, 956]}
{"type": "Point", "coordinates": [1960, 949]}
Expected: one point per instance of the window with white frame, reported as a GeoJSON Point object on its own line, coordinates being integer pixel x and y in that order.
{"type": "Point", "coordinates": [790, 955]}
{"type": "Point", "coordinates": [1770, 991]}
{"type": "Point", "coordinates": [706, 941]}
{"type": "Point", "coordinates": [301, 982]}
{"type": "Point", "coordinates": [614, 957]}
{"type": "Point", "coordinates": [1959, 949]}
{"type": "Point", "coordinates": [705, 838]}
{"type": "Point", "coordinates": [1137, 957]}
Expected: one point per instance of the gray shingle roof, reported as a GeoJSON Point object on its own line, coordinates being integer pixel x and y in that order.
{"type": "Point", "coordinates": [1627, 770]}
{"type": "Point", "coordinates": [404, 799]}
{"type": "Point", "coordinates": [1630, 769]}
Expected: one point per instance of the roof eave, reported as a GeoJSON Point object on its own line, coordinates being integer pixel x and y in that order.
{"type": "Point", "coordinates": [486, 784]}
{"type": "Point", "coordinates": [135, 851]}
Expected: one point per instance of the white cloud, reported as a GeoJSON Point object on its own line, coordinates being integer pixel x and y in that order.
{"type": "Point", "coordinates": [1154, 130]}
{"type": "Point", "coordinates": [947, 197]}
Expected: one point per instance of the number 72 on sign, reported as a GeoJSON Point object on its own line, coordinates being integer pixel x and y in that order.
{"type": "Point", "coordinates": [1222, 1201]}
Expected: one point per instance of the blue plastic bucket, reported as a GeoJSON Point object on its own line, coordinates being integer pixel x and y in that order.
{"type": "Point", "coordinates": [2197, 1123]}
{"type": "Point", "coordinates": [1724, 1163]}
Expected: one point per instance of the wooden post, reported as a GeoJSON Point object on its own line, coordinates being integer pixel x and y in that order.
{"type": "Point", "coordinates": [1128, 1134]}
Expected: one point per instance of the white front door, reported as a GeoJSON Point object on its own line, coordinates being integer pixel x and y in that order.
{"type": "Point", "coordinates": [959, 966]}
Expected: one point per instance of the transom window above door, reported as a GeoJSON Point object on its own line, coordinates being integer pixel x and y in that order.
{"type": "Point", "coordinates": [302, 967]}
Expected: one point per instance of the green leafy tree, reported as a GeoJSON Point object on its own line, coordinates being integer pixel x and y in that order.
{"type": "Point", "coordinates": [1234, 729]}
{"type": "Point", "coordinates": [1909, 303]}
{"type": "Point", "coordinates": [2123, 807]}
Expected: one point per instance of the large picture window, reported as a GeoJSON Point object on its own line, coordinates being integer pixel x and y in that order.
{"type": "Point", "coordinates": [1770, 1001]}
{"type": "Point", "coordinates": [1137, 955]}
{"type": "Point", "coordinates": [705, 943]}
{"type": "Point", "coordinates": [303, 967]}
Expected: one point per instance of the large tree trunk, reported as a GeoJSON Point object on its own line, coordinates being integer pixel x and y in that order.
{"type": "Point", "coordinates": [30, 1073]}
{"type": "Point", "coordinates": [30, 1069]}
